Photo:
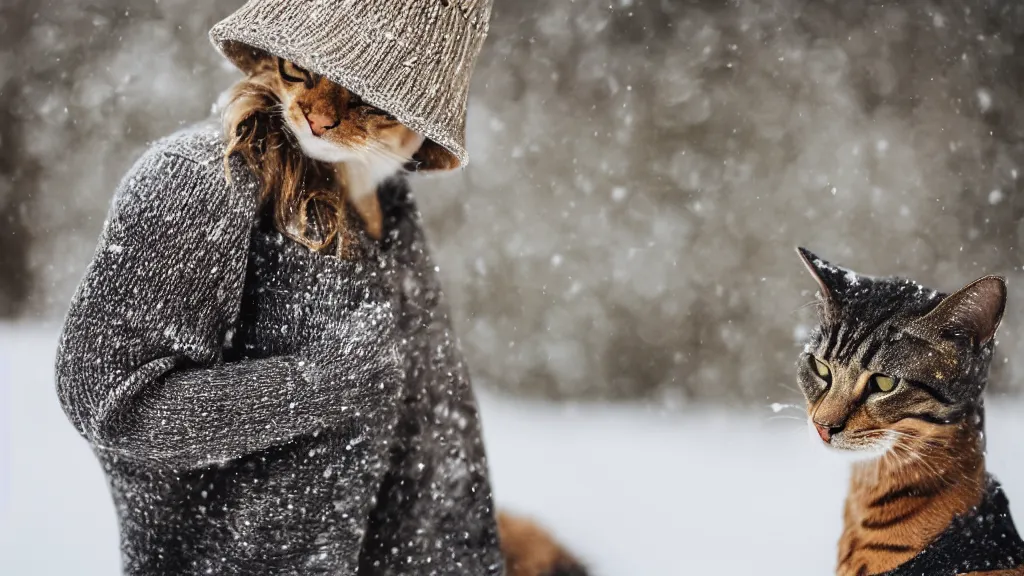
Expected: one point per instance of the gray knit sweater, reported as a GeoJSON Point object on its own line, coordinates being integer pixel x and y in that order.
{"type": "Point", "coordinates": [262, 409]}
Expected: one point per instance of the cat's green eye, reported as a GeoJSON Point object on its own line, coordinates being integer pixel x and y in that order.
{"type": "Point", "coordinates": [882, 383]}
{"type": "Point", "coordinates": [822, 369]}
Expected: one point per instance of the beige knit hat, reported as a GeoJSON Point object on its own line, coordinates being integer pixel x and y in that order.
{"type": "Point", "coordinates": [410, 58]}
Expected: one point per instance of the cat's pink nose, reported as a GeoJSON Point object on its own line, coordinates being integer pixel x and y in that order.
{"type": "Point", "coordinates": [320, 123]}
{"type": "Point", "coordinates": [826, 433]}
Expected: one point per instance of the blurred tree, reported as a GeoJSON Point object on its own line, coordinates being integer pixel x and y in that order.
{"type": "Point", "coordinates": [16, 174]}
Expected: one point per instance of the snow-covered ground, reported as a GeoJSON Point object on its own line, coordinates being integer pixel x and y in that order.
{"type": "Point", "coordinates": [637, 492]}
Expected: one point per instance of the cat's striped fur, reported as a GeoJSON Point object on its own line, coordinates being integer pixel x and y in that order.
{"type": "Point", "coordinates": [895, 372]}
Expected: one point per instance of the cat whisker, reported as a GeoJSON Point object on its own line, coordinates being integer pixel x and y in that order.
{"type": "Point", "coordinates": [776, 409]}
{"type": "Point", "coordinates": [787, 417]}
{"type": "Point", "coordinates": [790, 388]}
{"type": "Point", "coordinates": [381, 151]}
{"type": "Point", "coordinates": [906, 451]}
{"type": "Point", "coordinates": [805, 305]}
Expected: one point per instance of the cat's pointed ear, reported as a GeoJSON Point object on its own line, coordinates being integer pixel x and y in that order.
{"type": "Point", "coordinates": [831, 279]}
{"type": "Point", "coordinates": [248, 58]}
{"type": "Point", "coordinates": [972, 312]}
{"type": "Point", "coordinates": [432, 157]}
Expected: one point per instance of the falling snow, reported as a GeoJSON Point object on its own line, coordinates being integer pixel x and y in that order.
{"type": "Point", "coordinates": [660, 148]}
{"type": "Point", "coordinates": [383, 373]}
{"type": "Point", "coordinates": [560, 468]}
{"type": "Point", "coordinates": [640, 172]}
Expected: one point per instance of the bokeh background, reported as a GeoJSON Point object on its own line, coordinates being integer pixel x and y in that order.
{"type": "Point", "coordinates": [618, 254]}
{"type": "Point", "coordinates": [640, 172]}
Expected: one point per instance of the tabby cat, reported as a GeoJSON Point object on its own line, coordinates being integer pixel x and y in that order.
{"type": "Point", "coordinates": [319, 148]}
{"type": "Point", "coordinates": [894, 374]}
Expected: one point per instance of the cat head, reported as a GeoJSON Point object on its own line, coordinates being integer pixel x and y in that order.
{"type": "Point", "coordinates": [333, 124]}
{"type": "Point", "coordinates": [294, 129]}
{"type": "Point", "coordinates": [892, 360]}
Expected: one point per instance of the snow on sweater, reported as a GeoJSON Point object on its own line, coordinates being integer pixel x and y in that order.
{"type": "Point", "coordinates": [259, 408]}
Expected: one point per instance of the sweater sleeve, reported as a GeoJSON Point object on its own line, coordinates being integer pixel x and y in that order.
{"type": "Point", "coordinates": [139, 367]}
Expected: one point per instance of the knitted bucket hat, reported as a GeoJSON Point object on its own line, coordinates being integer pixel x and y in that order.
{"type": "Point", "coordinates": [410, 58]}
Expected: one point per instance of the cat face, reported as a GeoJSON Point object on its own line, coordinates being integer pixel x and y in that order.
{"type": "Point", "coordinates": [892, 361]}
{"type": "Point", "coordinates": [332, 124]}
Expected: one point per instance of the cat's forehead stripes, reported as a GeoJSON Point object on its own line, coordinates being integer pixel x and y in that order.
{"type": "Point", "coordinates": [860, 317]}
{"type": "Point", "coordinates": [858, 341]}
{"type": "Point", "coordinates": [937, 346]}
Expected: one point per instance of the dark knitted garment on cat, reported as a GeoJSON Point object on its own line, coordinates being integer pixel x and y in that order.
{"type": "Point", "coordinates": [259, 408]}
{"type": "Point", "coordinates": [983, 539]}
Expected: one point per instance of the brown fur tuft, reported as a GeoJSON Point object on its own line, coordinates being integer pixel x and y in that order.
{"type": "Point", "coordinates": [531, 551]}
{"type": "Point", "coordinates": [433, 156]}
{"type": "Point", "coordinates": [294, 185]}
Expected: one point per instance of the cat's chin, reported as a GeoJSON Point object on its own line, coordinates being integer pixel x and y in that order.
{"type": "Point", "coordinates": [851, 454]}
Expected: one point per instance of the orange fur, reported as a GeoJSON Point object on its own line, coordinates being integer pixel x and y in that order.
{"type": "Point", "coordinates": [530, 551]}
{"type": "Point", "coordinates": [368, 208]}
{"type": "Point", "coordinates": [902, 501]}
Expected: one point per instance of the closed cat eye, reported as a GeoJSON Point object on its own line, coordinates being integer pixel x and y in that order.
{"type": "Point", "coordinates": [882, 383]}
{"type": "Point", "coordinates": [822, 369]}
{"type": "Point", "coordinates": [373, 111]}
{"type": "Point", "coordinates": [291, 72]}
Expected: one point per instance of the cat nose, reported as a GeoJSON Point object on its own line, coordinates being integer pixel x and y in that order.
{"type": "Point", "coordinates": [320, 123]}
{"type": "Point", "coordinates": [827, 432]}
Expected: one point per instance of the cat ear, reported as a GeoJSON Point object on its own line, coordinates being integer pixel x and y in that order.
{"type": "Point", "coordinates": [432, 157]}
{"type": "Point", "coordinates": [246, 57]}
{"type": "Point", "coordinates": [831, 279]}
{"type": "Point", "coordinates": [972, 312]}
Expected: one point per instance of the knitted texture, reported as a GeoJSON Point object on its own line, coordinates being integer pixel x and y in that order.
{"type": "Point", "coordinates": [411, 58]}
{"type": "Point", "coordinates": [260, 408]}
{"type": "Point", "coordinates": [984, 539]}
